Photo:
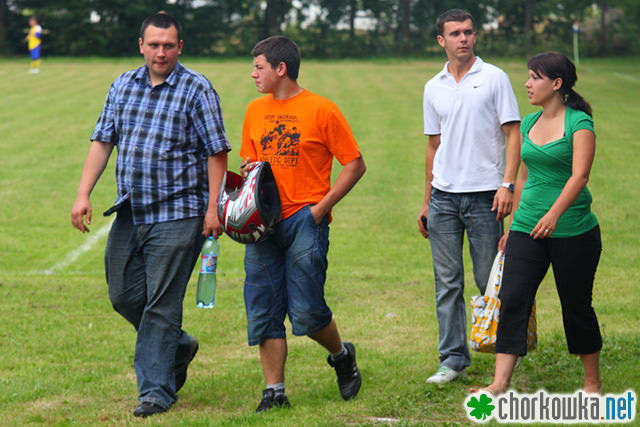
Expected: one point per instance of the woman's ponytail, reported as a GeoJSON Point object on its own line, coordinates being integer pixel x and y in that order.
{"type": "Point", "coordinates": [577, 102]}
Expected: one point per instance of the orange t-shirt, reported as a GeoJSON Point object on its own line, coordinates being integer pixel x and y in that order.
{"type": "Point", "coordinates": [299, 137]}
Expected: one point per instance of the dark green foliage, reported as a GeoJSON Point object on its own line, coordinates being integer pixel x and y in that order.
{"type": "Point", "coordinates": [323, 28]}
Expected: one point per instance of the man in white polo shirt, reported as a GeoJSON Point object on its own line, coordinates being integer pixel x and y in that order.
{"type": "Point", "coordinates": [469, 111]}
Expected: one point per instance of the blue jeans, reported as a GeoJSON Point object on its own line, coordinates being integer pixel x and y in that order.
{"type": "Point", "coordinates": [450, 214]}
{"type": "Point", "coordinates": [285, 274]}
{"type": "Point", "coordinates": [147, 268]}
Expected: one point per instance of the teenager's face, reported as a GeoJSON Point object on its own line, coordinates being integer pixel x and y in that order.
{"type": "Point", "coordinates": [160, 48]}
{"type": "Point", "coordinates": [541, 88]}
{"type": "Point", "coordinates": [457, 40]}
{"type": "Point", "coordinates": [266, 77]}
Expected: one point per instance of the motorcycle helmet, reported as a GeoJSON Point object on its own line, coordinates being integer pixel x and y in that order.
{"type": "Point", "coordinates": [249, 208]}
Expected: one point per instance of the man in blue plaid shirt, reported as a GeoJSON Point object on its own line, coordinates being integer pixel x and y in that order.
{"type": "Point", "coordinates": [172, 154]}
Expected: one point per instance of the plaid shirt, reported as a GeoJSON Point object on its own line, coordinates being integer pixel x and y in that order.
{"type": "Point", "coordinates": [164, 135]}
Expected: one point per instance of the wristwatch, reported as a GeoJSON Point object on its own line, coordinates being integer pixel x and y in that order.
{"type": "Point", "coordinates": [508, 185]}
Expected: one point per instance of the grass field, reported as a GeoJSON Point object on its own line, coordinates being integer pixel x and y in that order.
{"type": "Point", "coordinates": [66, 358]}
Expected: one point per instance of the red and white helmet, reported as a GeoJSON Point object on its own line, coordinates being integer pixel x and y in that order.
{"type": "Point", "coordinates": [249, 208]}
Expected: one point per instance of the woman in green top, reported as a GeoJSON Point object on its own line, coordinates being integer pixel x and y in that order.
{"type": "Point", "coordinates": [553, 223]}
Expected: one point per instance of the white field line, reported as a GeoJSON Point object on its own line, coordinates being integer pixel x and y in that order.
{"type": "Point", "coordinates": [72, 256]}
{"type": "Point", "coordinates": [626, 76]}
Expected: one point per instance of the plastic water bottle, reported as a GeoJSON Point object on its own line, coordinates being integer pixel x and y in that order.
{"type": "Point", "coordinates": [206, 293]}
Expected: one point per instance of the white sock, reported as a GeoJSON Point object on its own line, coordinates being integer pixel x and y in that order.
{"type": "Point", "coordinates": [338, 354]}
{"type": "Point", "coordinates": [278, 388]}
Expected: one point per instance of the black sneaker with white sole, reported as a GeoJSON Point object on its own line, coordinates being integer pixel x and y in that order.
{"type": "Point", "coordinates": [349, 377]}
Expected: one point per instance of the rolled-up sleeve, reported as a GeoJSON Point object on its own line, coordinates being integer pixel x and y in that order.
{"type": "Point", "coordinates": [105, 129]}
{"type": "Point", "coordinates": [208, 123]}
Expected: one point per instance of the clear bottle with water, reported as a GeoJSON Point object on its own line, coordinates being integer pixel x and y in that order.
{"type": "Point", "coordinates": [206, 292]}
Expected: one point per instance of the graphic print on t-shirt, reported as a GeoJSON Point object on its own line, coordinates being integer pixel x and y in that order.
{"type": "Point", "coordinates": [281, 140]}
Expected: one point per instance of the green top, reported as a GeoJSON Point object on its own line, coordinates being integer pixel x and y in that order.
{"type": "Point", "coordinates": [549, 168]}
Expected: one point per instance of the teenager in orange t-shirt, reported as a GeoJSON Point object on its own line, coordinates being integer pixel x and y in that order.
{"type": "Point", "coordinates": [298, 133]}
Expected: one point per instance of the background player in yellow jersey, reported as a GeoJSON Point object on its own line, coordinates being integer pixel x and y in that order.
{"type": "Point", "coordinates": [34, 39]}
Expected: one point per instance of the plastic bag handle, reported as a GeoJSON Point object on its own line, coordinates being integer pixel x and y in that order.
{"type": "Point", "coordinates": [495, 275]}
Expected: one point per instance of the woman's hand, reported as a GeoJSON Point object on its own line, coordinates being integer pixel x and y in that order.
{"type": "Point", "coordinates": [502, 243]}
{"type": "Point", "coordinates": [544, 228]}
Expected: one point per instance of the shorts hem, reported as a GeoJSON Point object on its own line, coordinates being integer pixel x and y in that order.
{"type": "Point", "coordinates": [315, 330]}
{"type": "Point", "coordinates": [256, 341]}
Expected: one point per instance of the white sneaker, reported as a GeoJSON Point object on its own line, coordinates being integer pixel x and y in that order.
{"type": "Point", "coordinates": [445, 375]}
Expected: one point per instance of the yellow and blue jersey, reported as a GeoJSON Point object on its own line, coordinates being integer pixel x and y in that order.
{"type": "Point", "coordinates": [34, 39]}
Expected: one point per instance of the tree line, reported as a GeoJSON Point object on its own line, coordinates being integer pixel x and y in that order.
{"type": "Point", "coordinates": [324, 28]}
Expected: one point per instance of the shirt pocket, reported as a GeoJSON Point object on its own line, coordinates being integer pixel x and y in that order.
{"type": "Point", "coordinates": [172, 134]}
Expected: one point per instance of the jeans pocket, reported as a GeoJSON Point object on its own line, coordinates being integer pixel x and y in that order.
{"type": "Point", "coordinates": [309, 214]}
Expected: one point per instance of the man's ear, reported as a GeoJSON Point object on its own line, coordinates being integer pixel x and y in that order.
{"type": "Point", "coordinates": [281, 69]}
{"type": "Point", "coordinates": [140, 43]}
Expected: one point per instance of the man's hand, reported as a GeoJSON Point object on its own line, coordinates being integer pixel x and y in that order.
{"type": "Point", "coordinates": [81, 207]}
{"type": "Point", "coordinates": [245, 167]}
{"type": "Point", "coordinates": [211, 225]}
{"type": "Point", "coordinates": [502, 203]}
{"type": "Point", "coordinates": [422, 221]}
{"type": "Point", "coordinates": [318, 213]}
{"type": "Point", "coordinates": [94, 165]}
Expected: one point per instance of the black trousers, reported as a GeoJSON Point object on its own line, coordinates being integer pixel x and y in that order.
{"type": "Point", "coordinates": [574, 261]}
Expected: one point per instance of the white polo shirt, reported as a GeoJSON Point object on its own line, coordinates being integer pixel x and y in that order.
{"type": "Point", "coordinates": [468, 117]}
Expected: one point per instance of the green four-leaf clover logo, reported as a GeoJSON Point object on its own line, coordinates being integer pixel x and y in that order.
{"type": "Point", "coordinates": [481, 408]}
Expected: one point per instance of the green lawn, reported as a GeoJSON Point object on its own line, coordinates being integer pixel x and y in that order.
{"type": "Point", "coordinates": [66, 358]}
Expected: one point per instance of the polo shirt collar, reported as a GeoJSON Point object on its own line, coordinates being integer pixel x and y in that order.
{"type": "Point", "coordinates": [476, 67]}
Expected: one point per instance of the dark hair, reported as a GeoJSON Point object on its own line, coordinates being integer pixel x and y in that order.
{"type": "Point", "coordinates": [277, 49]}
{"type": "Point", "coordinates": [161, 20]}
{"type": "Point", "coordinates": [453, 15]}
{"type": "Point", "coordinates": [556, 65]}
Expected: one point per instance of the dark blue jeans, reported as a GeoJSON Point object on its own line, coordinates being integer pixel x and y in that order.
{"type": "Point", "coordinates": [450, 215]}
{"type": "Point", "coordinates": [148, 267]}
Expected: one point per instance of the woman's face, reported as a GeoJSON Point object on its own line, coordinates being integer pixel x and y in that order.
{"type": "Point", "coordinates": [541, 88]}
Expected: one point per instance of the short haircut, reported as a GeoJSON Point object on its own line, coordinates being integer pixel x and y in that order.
{"type": "Point", "coordinates": [161, 20]}
{"type": "Point", "coordinates": [277, 49]}
{"type": "Point", "coordinates": [453, 15]}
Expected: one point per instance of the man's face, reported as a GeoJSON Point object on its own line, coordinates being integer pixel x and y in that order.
{"type": "Point", "coordinates": [266, 77]}
{"type": "Point", "coordinates": [160, 48]}
{"type": "Point", "coordinates": [458, 39]}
